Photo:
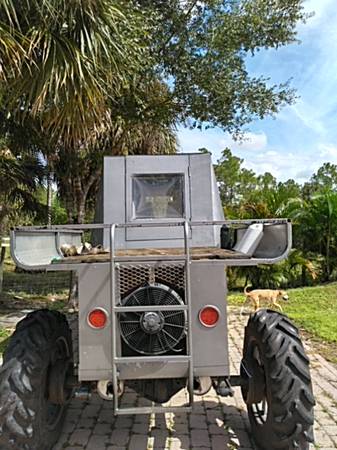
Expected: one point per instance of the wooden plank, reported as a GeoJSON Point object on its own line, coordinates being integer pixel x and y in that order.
{"type": "Point", "coordinates": [197, 253]}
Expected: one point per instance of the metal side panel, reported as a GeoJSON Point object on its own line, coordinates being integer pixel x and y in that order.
{"type": "Point", "coordinates": [94, 345]}
{"type": "Point", "coordinates": [35, 249]}
{"type": "Point", "coordinates": [205, 200]}
{"type": "Point", "coordinates": [210, 345]}
{"type": "Point", "coordinates": [275, 240]}
{"type": "Point", "coordinates": [114, 198]}
{"type": "Point", "coordinates": [154, 370]}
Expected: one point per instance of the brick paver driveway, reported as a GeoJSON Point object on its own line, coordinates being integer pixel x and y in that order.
{"type": "Point", "coordinates": [216, 423]}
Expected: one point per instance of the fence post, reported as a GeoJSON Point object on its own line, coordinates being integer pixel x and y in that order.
{"type": "Point", "coordinates": [4, 243]}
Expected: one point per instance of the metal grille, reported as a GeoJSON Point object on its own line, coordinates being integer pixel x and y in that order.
{"type": "Point", "coordinates": [130, 277]}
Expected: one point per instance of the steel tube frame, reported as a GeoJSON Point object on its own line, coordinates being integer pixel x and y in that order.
{"type": "Point", "coordinates": [148, 359]}
{"type": "Point", "coordinates": [141, 359]}
{"type": "Point", "coordinates": [64, 265]}
{"type": "Point", "coordinates": [200, 223]}
{"type": "Point", "coordinates": [150, 308]}
{"type": "Point", "coordinates": [113, 317]}
{"type": "Point", "coordinates": [189, 311]}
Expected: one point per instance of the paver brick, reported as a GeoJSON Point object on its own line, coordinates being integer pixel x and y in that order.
{"type": "Point", "coordinates": [138, 442]}
{"type": "Point", "coordinates": [120, 436]}
{"type": "Point", "coordinates": [200, 438]}
{"type": "Point", "coordinates": [102, 429]}
{"type": "Point", "coordinates": [97, 442]}
{"type": "Point", "coordinates": [79, 437]}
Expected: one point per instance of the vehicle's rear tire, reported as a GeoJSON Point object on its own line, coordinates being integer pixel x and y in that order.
{"type": "Point", "coordinates": [277, 388]}
{"type": "Point", "coordinates": [33, 397]}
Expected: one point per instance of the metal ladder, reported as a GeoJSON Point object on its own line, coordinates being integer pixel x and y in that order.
{"type": "Point", "coordinates": [188, 358]}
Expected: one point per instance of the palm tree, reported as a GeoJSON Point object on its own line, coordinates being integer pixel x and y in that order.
{"type": "Point", "coordinates": [316, 220]}
{"type": "Point", "coordinates": [62, 62]}
{"type": "Point", "coordinates": [78, 174]}
{"type": "Point", "coordinates": [19, 179]}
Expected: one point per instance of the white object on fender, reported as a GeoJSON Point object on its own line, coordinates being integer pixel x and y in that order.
{"type": "Point", "coordinates": [250, 240]}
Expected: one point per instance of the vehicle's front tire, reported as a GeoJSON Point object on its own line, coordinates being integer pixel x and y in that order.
{"type": "Point", "coordinates": [277, 384]}
{"type": "Point", "coordinates": [33, 396]}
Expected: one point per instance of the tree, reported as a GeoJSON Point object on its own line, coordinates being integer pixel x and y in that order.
{"type": "Point", "coordinates": [20, 177]}
{"type": "Point", "coordinates": [112, 77]}
{"type": "Point", "coordinates": [269, 197]}
{"type": "Point", "coordinates": [63, 62]}
{"type": "Point", "coordinates": [324, 180]}
{"type": "Point", "coordinates": [200, 49]}
{"type": "Point", "coordinates": [234, 181]}
{"type": "Point", "coordinates": [142, 127]}
{"type": "Point", "coordinates": [72, 58]}
{"type": "Point", "coordinates": [316, 221]}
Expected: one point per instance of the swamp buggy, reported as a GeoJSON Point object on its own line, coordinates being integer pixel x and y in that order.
{"type": "Point", "coordinates": [152, 310]}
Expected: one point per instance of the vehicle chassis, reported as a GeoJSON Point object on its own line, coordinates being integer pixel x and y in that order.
{"type": "Point", "coordinates": [152, 288]}
{"type": "Point", "coordinates": [102, 275]}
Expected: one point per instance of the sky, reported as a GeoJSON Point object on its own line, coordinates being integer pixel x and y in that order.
{"type": "Point", "coordinates": [304, 135]}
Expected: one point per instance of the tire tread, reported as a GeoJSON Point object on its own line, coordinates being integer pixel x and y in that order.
{"type": "Point", "coordinates": [20, 378]}
{"type": "Point", "coordinates": [292, 399]}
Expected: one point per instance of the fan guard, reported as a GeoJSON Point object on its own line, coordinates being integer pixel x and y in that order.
{"type": "Point", "coordinates": [155, 332]}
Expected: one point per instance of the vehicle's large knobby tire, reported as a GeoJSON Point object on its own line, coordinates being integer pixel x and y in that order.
{"type": "Point", "coordinates": [273, 354]}
{"type": "Point", "coordinates": [28, 419]}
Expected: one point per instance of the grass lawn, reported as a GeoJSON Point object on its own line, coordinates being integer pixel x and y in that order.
{"type": "Point", "coordinates": [313, 309]}
{"type": "Point", "coordinates": [30, 291]}
{"type": "Point", "coordinates": [4, 334]}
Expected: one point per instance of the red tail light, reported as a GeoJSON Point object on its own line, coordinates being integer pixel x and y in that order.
{"type": "Point", "coordinates": [97, 318]}
{"type": "Point", "coordinates": [209, 316]}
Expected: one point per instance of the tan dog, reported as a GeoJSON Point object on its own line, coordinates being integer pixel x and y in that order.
{"type": "Point", "coordinates": [267, 296]}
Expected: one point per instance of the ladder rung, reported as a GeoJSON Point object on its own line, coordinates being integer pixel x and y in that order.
{"type": "Point", "coordinates": [151, 359]}
{"type": "Point", "coordinates": [152, 410]}
{"type": "Point", "coordinates": [147, 258]}
{"type": "Point", "coordinates": [186, 257]}
{"type": "Point", "coordinates": [125, 309]}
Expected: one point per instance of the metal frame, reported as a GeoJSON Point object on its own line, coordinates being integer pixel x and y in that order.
{"type": "Point", "coordinates": [250, 261]}
{"type": "Point", "coordinates": [59, 230]}
{"type": "Point", "coordinates": [138, 359]}
{"type": "Point", "coordinates": [187, 360]}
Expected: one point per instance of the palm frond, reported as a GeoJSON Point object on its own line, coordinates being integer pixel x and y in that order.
{"type": "Point", "coordinates": [71, 60]}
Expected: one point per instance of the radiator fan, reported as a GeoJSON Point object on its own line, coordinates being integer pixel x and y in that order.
{"type": "Point", "coordinates": [152, 332]}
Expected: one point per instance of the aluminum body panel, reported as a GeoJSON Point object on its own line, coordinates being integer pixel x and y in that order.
{"type": "Point", "coordinates": [113, 196]}
{"type": "Point", "coordinates": [36, 249]}
{"type": "Point", "coordinates": [207, 287]}
{"type": "Point", "coordinates": [94, 345]}
{"type": "Point", "coordinates": [201, 199]}
{"type": "Point", "coordinates": [274, 241]}
{"type": "Point", "coordinates": [148, 371]}
{"type": "Point", "coordinates": [204, 200]}
{"type": "Point", "coordinates": [210, 345]}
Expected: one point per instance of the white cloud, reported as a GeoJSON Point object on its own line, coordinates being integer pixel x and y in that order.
{"type": "Point", "coordinates": [328, 152]}
{"type": "Point", "coordinates": [215, 141]}
{"type": "Point", "coordinates": [250, 141]}
{"type": "Point", "coordinates": [309, 116]}
{"type": "Point", "coordinates": [282, 166]}
{"type": "Point", "coordinates": [258, 155]}
{"type": "Point", "coordinates": [320, 9]}
{"type": "Point", "coordinates": [299, 166]}
{"type": "Point", "coordinates": [304, 135]}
